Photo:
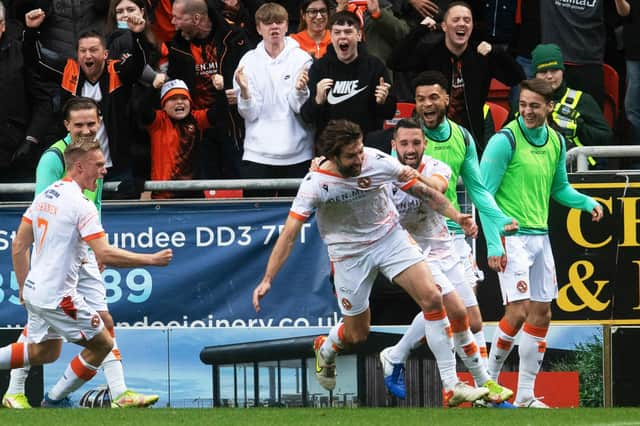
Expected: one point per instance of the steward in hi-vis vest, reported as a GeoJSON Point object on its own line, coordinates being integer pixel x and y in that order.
{"type": "Point", "coordinates": [576, 115]}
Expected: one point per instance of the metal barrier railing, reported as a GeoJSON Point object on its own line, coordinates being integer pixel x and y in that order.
{"type": "Point", "coordinates": [580, 154]}
{"type": "Point", "coordinates": [177, 185]}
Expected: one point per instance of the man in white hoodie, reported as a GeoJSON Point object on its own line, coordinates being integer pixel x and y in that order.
{"type": "Point", "coordinates": [272, 84]}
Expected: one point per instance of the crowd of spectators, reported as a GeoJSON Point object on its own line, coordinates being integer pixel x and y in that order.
{"type": "Point", "coordinates": [224, 89]}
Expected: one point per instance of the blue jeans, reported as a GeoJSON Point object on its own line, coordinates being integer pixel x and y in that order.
{"type": "Point", "coordinates": [632, 100]}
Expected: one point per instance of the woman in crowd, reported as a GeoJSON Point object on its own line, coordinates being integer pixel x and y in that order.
{"type": "Point", "coordinates": [313, 36]}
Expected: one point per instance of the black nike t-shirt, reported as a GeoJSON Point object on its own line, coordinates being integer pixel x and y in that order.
{"type": "Point", "coordinates": [352, 96]}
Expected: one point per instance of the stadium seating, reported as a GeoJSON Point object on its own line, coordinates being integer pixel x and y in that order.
{"type": "Point", "coordinates": [611, 105]}
{"type": "Point", "coordinates": [403, 110]}
{"type": "Point", "coordinates": [499, 114]}
{"type": "Point", "coordinates": [499, 93]}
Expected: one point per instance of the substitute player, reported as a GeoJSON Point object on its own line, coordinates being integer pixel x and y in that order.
{"type": "Point", "coordinates": [430, 230]}
{"type": "Point", "coordinates": [524, 166]}
{"type": "Point", "coordinates": [359, 224]}
{"type": "Point", "coordinates": [452, 144]}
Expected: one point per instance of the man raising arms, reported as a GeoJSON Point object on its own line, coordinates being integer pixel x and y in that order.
{"type": "Point", "coordinates": [360, 226]}
{"type": "Point", "coordinates": [430, 230]}
{"type": "Point", "coordinates": [82, 121]}
{"type": "Point", "coordinates": [63, 223]}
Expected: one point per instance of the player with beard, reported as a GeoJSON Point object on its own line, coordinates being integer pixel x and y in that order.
{"type": "Point", "coordinates": [430, 231]}
{"type": "Point", "coordinates": [348, 83]}
{"type": "Point", "coordinates": [359, 224]}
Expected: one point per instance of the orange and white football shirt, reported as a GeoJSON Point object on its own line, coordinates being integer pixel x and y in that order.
{"type": "Point", "coordinates": [63, 219]}
{"type": "Point", "coordinates": [426, 226]}
{"type": "Point", "coordinates": [355, 212]}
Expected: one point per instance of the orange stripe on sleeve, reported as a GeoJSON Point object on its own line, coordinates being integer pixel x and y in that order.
{"type": "Point", "coordinates": [458, 325]}
{"type": "Point", "coordinates": [507, 328]}
{"type": "Point", "coordinates": [27, 220]}
{"type": "Point", "coordinates": [81, 370]}
{"type": "Point", "coordinates": [94, 236]}
{"type": "Point", "coordinates": [540, 332]}
{"type": "Point", "coordinates": [298, 216]}
{"type": "Point", "coordinates": [409, 184]}
{"type": "Point", "coordinates": [17, 355]}
{"type": "Point", "coordinates": [435, 315]}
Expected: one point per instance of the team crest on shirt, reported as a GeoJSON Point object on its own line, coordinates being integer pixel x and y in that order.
{"type": "Point", "coordinates": [95, 321]}
{"type": "Point", "coordinates": [364, 182]}
{"type": "Point", "coordinates": [191, 128]}
{"type": "Point", "coordinates": [522, 286]}
{"type": "Point", "coordinates": [346, 304]}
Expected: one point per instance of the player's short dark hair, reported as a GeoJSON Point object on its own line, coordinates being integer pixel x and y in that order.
{"type": "Point", "coordinates": [78, 103]}
{"type": "Point", "coordinates": [406, 123]}
{"type": "Point", "coordinates": [454, 4]}
{"type": "Point", "coordinates": [77, 150]}
{"type": "Point", "coordinates": [429, 78]}
{"type": "Point", "coordinates": [539, 86]}
{"type": "Point", "coordinates": [344, 17]}
{"type": "Point", "coordinates": [338, 134]}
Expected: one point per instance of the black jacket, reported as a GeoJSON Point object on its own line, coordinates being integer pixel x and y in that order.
{"type": "Point", "coordinates": [231, 41]}
{"type": "Point", "coordinates": [361, 108]}
{"type": "Point", "coordinates": [477, 72]}
{"type": "Point", "coordinates": [14, 114]}
{"type": "Point", "coordinates": [115, 99]}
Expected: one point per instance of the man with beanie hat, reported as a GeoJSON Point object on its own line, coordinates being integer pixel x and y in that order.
{"type": "Point", "coordinates": [575, 113]}
{"type": "Point", "coordinates": [175, 131]}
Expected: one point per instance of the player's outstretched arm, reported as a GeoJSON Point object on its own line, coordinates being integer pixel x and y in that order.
{"type": "Point", "coordinates": [278, 256]}
{"type": "Point", "coordinates": [21, 253]}
{"type": "Point", "coordinates": [442, 205]}
{"type": "Point", "coordinates": [113, 256]}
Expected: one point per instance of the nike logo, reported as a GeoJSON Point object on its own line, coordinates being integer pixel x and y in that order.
{"type": "Point", "coordinates": [333, 99]}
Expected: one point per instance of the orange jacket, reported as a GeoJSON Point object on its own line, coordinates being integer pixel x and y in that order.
{"type": "Point", "coordinates": [310, 46]}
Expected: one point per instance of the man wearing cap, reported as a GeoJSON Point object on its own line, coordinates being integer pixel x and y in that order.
{"type": "Point", "coordinates": [175, 131]}
{"type": "Point", "coordinates": [575, 113]}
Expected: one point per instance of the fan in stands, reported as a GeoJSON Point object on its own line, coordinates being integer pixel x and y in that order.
{"type": "Point", "coordinates": [96, 398]}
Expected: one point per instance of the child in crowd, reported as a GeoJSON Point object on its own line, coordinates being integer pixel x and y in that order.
{"type": "Point", "coordinates": [175, 131]}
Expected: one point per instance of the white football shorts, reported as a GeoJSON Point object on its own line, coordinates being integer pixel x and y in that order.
{"type": "Point", "coordinates": [530, 272]}
{"type": "Point", "coordinates": [354, 276]}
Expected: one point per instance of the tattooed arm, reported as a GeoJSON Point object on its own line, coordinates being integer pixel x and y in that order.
{"type": "Point", "coordinates": [438, 202]}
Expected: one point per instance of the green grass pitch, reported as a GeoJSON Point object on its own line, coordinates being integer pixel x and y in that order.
{"type": "Point", "coordinates": [314, 416]}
